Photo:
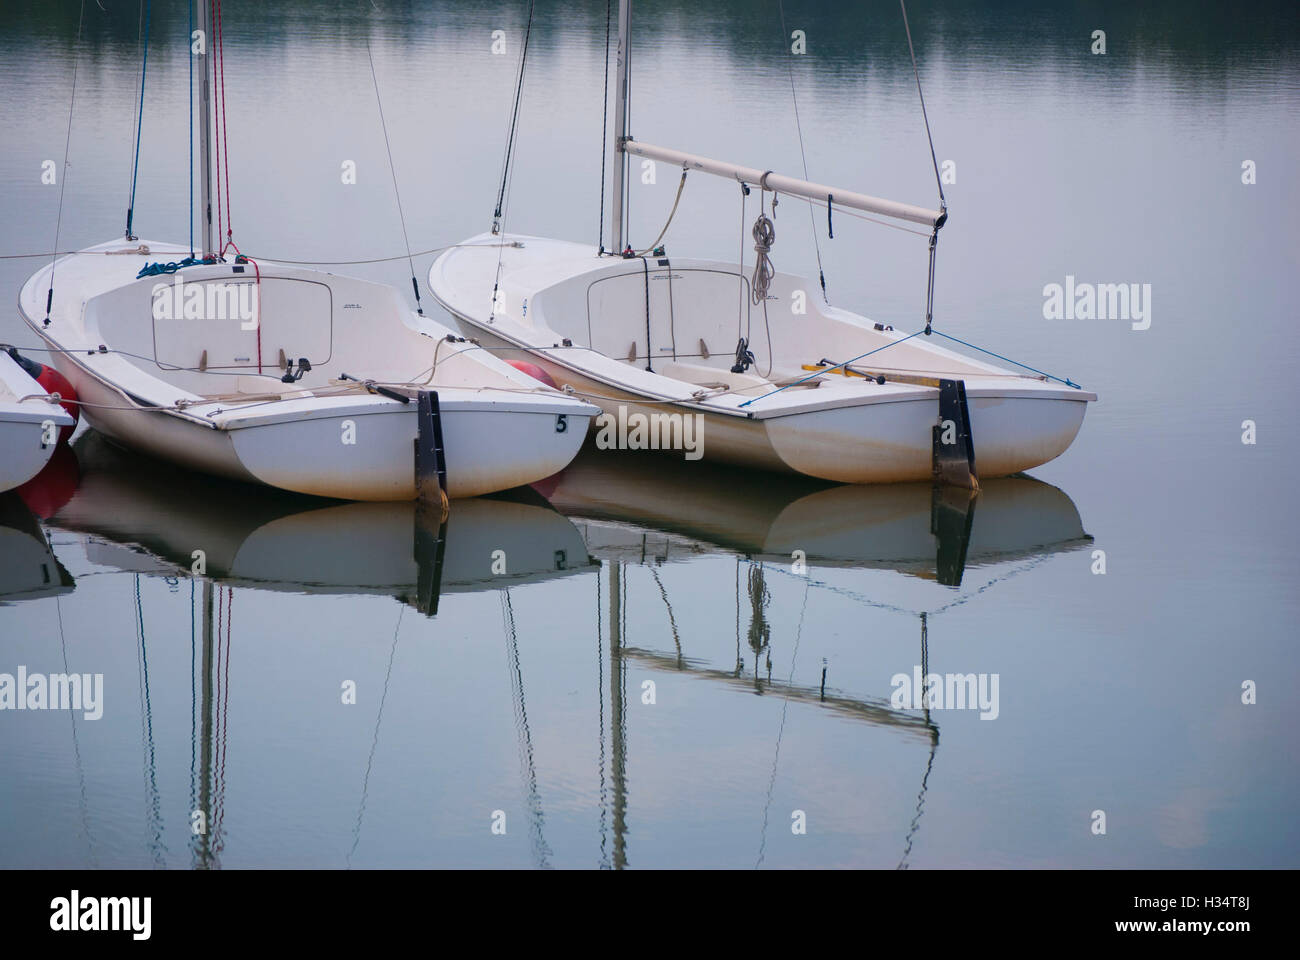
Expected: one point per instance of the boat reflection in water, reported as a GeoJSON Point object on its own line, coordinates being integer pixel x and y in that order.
{"type": "Point", "coordinates": [150, 517]}
{"type": "Point", "coordinates": [646, 510]}
{"type": "Point", "coordinates": [28, 568]}
{"type": "Point", "coordinates": [930, 532]}
{"type": "Point", "coordinates": [621, 517]}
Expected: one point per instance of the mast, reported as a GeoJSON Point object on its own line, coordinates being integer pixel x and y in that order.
{"type": "Point", "coordinates": [205, 146]}
{"type": "Point", "coordinates": [620, 118]}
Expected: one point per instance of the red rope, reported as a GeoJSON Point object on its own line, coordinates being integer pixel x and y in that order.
{"type": "Point", "coordinates": [223, 163]}
{"type": "Point", "coordinates": [212, 36]}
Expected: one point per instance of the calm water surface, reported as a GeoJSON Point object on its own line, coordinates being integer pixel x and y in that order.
{"type": "Point", "coordinates": [526, 692]}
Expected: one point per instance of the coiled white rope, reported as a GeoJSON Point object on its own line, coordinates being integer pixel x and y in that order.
{"type": "Point", "coordinates": [764, 233]}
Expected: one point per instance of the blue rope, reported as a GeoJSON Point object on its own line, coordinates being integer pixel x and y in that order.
{"type": "Point", "coordinates": [1067, 382]}
{"type": "Point", "coordinates": [836, 367]}
{"type": "Point", "coordinates": [157, 269]}
{"type": "Point", "coordinates": [144, 67]}
{"type": "Point", "coordinates": [1041, 373]}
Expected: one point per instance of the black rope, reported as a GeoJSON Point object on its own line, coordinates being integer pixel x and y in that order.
{"type": "Point", "coordinates": [604, 131]}
{"type": "Point", "coordinates": [740, 266]}
{"type": "Point", "coordinates": [645, 268]}
{"type": "Point", "coordinates": [139, 128]}
{"type": "Point", "coordinates": [514, 122]}
{"type": "Point", "coordinates": [393, 170]}
{"type": "Point", "coordinates": [830, 226]}
{"type": "Point", "coordinates": [929, 287]}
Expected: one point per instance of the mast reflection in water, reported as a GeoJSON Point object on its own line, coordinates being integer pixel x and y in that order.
{"type": "Point", "coordinates": [650, 535]}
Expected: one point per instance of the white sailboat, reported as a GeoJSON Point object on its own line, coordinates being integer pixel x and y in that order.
{"type": "Point", "coordinates": [295, 378]}
{"type": "Point", "coordinates": [828, 393]}
{"type": "Point", "coordinates": [30, 423]}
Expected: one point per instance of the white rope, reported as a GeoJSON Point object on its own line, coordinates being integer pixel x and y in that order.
{"type": "Point", "coordinates": [680, 185]}
{"type": "Point", "coordinates": [764, 234]}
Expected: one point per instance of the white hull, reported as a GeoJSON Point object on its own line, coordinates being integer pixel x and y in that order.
{"type": "Point", "coordinates": [842, 429]}
{"type": "Point", "coordinates": [28, 427]}
{"type": "Point", "coordinates": [191, 393]}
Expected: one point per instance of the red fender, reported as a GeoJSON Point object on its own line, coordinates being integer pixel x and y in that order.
{"type": "Point", "coordinates": [55, 382]}
{"type": "Point", "coordinates": [534, 371]}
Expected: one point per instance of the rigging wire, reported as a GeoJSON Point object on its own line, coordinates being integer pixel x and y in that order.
{"type": "Point", "coordinates": [139, 124]}
{"type": "Point", "coordinates": [139, 37]}
{"type": "Point", "coordinates": [374, 742]}
{"type": "Point", "coordinates": [916, 73]}
{"type": "Point", "coordinates": [780, 733]}
{"type": "Point", "coordinates": [63, 182]}
{"type": "Point", "coordinates": [938, 180]}
{"type": "Point", "coordinates": [604, 132]}
{"type": "Point", "coordinates": [418, 253]}
{"type": "Point", "coordinates": [672, 619]}
{"type": "Point", "coordinates": [537, 819]}
{"type": "Point", "coordinates": [225, 131]}
{"type": "Point", "coordinates": [76, 746]}
{"type": "Point", "coordinates": [798, 126]}
{"type": "Point", "coordinates": [153, 812]}
{"type": "Point", "coordinates": [915, 825]}
{"type": "Point", "coordinates": [506, 179]}
{"type": "Point", "coordinates": [514, 123]}
{"type": "Point", "coordinates": [211, 39]}
{"type": "Point", "coordinates": [189, 44]}
{"type": "Point", "coordinates": [393, 170]}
